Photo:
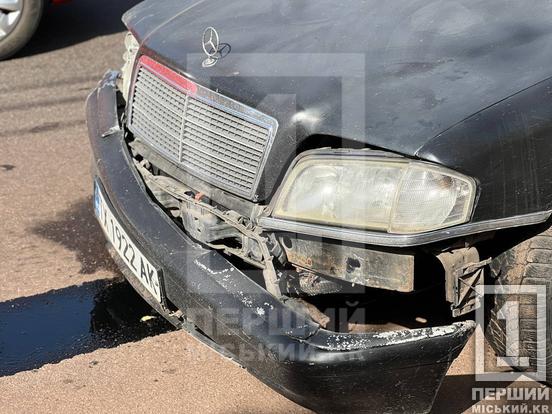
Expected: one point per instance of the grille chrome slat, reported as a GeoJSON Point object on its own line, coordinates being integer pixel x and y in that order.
{"type": "Point", "coordinates": [223, 131]}
{"type": "Point", "coordinates": [207, 161]}
{"type": "Point", "coordinates": [218, 157]}
{"type": "Point", "coordinates": [260, 132]}
{"type": "Point", "coordinates": [172, 123]}
{"type": "Point", "coordinates": [149, 95]}
{"type": "Point", "coordinates": [155, 81]}
{"type": "Point", "coordinates": [212, 132]}
{"type": "Point", "coordinates": [211, 136]}
{"type": "Point", "coordinates": [155, 122]}
{"type": "Point", "coordinates": [193, 136]}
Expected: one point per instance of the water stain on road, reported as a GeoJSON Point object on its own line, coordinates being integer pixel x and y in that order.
{"type": "Point", "coordinates": [60, 324]}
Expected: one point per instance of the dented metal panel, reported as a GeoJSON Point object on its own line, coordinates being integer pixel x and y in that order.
{"type": "Point", "coordinates": [384, 269]}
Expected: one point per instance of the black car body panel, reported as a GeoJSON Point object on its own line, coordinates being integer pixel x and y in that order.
{"type": "Point", "coordinates": [445, 82]}
{"type": "Point", "coordinates": [326, 371]}
{"type": "Point", "coordinates": [507, 147]}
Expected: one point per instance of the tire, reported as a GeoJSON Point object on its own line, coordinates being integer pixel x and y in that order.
{"type": "Point", "coordinates": [527, 263]}
{"type": "Point", "coordinates": [24, 29]}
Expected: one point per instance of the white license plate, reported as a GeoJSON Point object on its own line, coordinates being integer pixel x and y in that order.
{"type": "Point", "coordinates": [146, 273]}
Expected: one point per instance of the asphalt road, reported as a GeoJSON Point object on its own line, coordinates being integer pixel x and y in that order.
{"type": "Point", "coordinates": [71, 335]}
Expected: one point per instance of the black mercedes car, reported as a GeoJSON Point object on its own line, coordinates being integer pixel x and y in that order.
{"type": "Point", "coordinates": [302, 185]}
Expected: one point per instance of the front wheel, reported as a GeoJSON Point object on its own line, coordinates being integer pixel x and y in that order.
{"type": "Point", "coordinates": [19, 20]}
{"type": "Point", "coordinates": [529, 263]}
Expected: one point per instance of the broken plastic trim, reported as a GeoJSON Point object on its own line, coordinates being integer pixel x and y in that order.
{"type": "Point", "coordinates": [107, 112]}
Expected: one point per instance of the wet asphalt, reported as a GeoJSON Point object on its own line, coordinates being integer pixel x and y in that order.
{"type": "Point", "coordinates": [73, 334]}
{"type": "Point", "coordinates": [50, 327]}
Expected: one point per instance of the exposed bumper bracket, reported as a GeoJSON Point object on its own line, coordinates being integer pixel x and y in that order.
{"type": "Point", "coordinates": [463, 272]}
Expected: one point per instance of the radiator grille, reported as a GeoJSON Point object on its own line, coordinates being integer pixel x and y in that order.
{"type": "Point", "coordinates": [211, 136]}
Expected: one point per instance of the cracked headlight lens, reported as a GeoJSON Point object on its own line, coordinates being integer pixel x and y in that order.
{"type": "Point", "coordinates": [389, 194]}
{"type": "Point", "coordinates": [129, 57]}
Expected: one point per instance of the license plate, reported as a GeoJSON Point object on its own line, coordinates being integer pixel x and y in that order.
{"type": "Point", "coordinates": [140, 266]}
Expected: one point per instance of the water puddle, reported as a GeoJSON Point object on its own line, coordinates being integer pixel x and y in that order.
{"type": "Point", "coordinates": [60, 324]}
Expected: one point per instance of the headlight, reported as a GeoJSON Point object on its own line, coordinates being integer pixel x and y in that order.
{"type": "Point", "coordinates": [368, 192]}
{"type": "Point", "coordinates": [131, 45]}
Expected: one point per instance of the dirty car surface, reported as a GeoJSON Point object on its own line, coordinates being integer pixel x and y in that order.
{"type": "Point", "coordinates": [271, 176]}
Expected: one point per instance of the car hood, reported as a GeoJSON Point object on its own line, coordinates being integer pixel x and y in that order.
{"type": "Point", "coordinates": [390, 75]}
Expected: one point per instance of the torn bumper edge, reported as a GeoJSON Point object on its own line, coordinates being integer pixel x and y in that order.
{"type": "Point", "coordinates": [322, 370]}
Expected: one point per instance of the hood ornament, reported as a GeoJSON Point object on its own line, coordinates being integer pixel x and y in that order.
{"type": "Point", "coordinates": [210, 43]}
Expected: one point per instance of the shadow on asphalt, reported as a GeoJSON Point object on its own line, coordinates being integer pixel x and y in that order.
{"type": "Point", "coordinates": [80, 20]}
{"type": "Point", "coordinates": [63, 323]}
{"type": "Point", "coordinates": [77, 230]}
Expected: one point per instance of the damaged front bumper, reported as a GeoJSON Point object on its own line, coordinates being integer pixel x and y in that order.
{"type": "Point", "coordinates": [220, 304]}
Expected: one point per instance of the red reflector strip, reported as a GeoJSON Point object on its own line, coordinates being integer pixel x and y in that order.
{"type": "Point", "coordinates": [169, 75]}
